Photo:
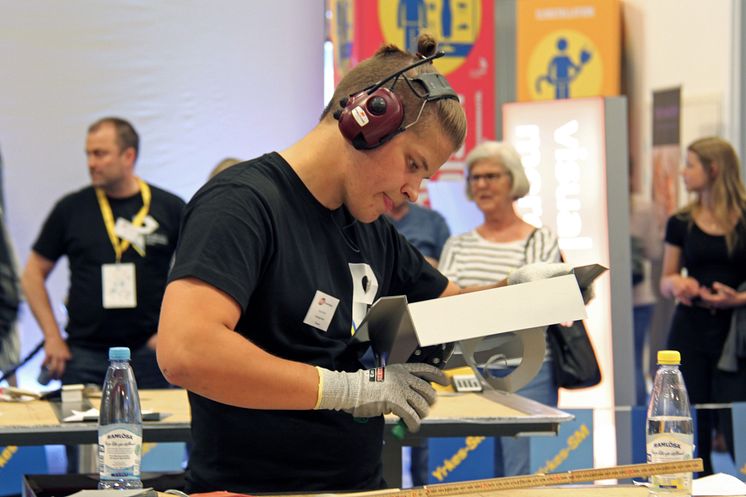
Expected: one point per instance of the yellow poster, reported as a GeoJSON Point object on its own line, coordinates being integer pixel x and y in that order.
{"type": "Point", "coordinates": [455, 25]}
{"type": "Point", "coordinates": [567, 49]}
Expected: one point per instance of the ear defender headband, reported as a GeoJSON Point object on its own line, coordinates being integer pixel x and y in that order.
{"type": "Point", "coordinates": [374, 115]}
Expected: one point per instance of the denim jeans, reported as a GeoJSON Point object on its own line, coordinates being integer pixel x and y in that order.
{"type": "Point", "coordinates": [512, 454]}
{"type": "Point", "coordinates": [641, 315]}
{"type": "Point", "coordinates": [89, 366]}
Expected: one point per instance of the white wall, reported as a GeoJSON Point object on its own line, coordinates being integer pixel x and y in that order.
{"type": "Point", "coordinates": [687, 43]}
{"type": "Point", "coordinates": [199, 80]}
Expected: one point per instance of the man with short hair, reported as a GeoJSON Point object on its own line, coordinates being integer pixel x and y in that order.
{"type": "Point", "coordinates": [424, 228]}
{"type": "Point", "coordinates": [119, 235]}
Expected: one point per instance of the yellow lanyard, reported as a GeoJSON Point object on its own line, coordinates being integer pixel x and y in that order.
{"type": "Point", "coordinates": [121, 246]}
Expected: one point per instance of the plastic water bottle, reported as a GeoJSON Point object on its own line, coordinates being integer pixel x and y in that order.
{"type": "Point", "coordinates": [119, 425]}
{"type": "Point", "coordinates": [669, 426]}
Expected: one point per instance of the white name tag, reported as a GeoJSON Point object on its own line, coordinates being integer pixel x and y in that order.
{"type": "Point", "coordinates": [321, 311]}
{"type": "Point", "coordinates": [118, 285]}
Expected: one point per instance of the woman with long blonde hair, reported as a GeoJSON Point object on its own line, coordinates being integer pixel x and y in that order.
{"type": "Point", "coordinates": [704, 268]}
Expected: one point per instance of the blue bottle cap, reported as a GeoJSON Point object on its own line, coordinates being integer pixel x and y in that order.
{"type": "Point", "coordinates": [119, 353]}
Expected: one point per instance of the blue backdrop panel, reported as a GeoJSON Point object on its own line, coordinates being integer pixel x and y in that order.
{"type": "Point", "coordinates": [639, 439]}
{"type": "Point", "coordinates": [739, 437]}
{"type": "Point", "coordinates": [571, 449]}
{"type": "Point", "coordinates": [159, 457]}
{"type": "Point", "coordinates": [18, 461]}
{"type": "Point", "coordinates": [460, 459]}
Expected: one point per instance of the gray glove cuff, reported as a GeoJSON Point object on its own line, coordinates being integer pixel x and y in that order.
{"type": "Point", "coordinates": [403, 389]}
{"type": "Point", "coordinates": [337, 390]}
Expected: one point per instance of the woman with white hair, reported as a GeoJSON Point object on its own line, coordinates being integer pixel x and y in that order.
{"type": "Point", "coordinates": [495, 179]}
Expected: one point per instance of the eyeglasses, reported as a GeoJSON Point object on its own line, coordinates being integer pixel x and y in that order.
{"type": "Point", "coordinates": [473, 179]}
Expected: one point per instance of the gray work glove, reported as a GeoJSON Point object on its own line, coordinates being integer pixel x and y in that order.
{"type": "Point", "coordinates": [538, 271]}
{"type": "Point", "coordinates": [402, 389]}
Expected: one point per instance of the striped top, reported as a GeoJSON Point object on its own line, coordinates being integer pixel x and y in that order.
{"type": "Point", "coordinates": [469, 259]}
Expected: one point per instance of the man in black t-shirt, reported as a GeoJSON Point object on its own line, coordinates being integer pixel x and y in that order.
{"type": "Point", "coordinates": [278, 261]}
{"type": "Point", "coordinates": [119, 235]}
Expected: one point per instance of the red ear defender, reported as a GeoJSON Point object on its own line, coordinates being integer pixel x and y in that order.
{"type": "Point", "coordinates": [374, 115]}
{"type": "Point", "coordinates": [369, 120]}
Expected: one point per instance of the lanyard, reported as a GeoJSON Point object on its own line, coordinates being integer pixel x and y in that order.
{"type": "Point", "coordinates": [121, 246]}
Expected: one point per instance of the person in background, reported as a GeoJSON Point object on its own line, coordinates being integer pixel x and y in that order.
{"type": "Point", "coordinates": [10, 297]}
{"type": "Point", "coordinates": [646, 247]}
{"type": "Point", "coordinates": [427, 231]}
{"type": "Point", "coordinates": [279, 259]}
{"type": "Point", "coordinates": [119, 235]}
{"type": "Point", "coordinates": [424, 228]}
{"type": "Point", "coordinates": [492, 251]}
{"type": "Point", "coordinates": [704, 264]}
{"type": "Point", "coordinates": [222, 166]}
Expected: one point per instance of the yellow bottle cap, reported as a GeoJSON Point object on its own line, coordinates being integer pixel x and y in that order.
{"type": "Point", "coordinates": [669, 357]}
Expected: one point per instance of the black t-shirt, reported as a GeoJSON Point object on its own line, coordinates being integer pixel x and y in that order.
{"type": "Point", "coordinates": [75, 228]}
{"type": "Point", "coordinates": [705, 256]}
{"type": "Point", "coordinates": [258, 234]}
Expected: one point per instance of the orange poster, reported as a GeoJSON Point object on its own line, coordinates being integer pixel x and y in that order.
{"type": "Point", "coordinates": [567, 49]}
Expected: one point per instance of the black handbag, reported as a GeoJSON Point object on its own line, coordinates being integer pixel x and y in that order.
{"type": "Point", "coordinates": [575, 363]}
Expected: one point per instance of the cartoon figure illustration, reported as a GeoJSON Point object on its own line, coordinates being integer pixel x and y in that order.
{"type": "Point", "coordinates": [446, 19]}
{"type": "Point", "coordinates": [562, 70]}
{"type": "Point", "coordinates": [457, 22]}
{"type": "Point", "coordinates": [412, 17]}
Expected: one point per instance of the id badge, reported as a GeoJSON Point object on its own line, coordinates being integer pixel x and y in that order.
{"type": "Point", "coordinates": [321, 311]}
{"type": "Point", "coordinates": [118, 285]}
